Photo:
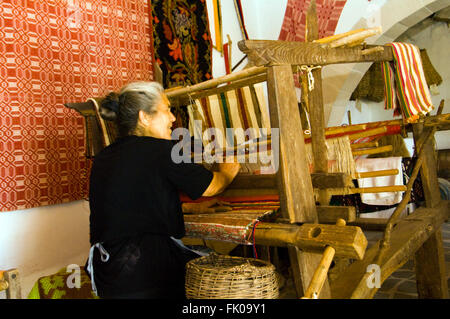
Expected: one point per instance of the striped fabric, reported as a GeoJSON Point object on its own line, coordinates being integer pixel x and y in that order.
{"type": "Point", "coordinates": [232, 226]}
{"type": "Point", "coordinates": [243, 108]}
{"type": "Point", "coordinates": [406, 90]}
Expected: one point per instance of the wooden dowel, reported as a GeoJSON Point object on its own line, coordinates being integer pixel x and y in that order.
{"type": "Point", "coordinates": [215, 82]}
{"type": "Point", "coordinates": [320, 275]}
{"type": "Point", "coordinates": [3, 285]}
{"type": "Point", "coordinates": [372, 132]}
{"type": "Point", "coordinates": [337, 36]}
{"type": "Point", "coordinates": [340, 222]}
{"type": "Point", "coordinates": [356, 37]}
{"type": "Point", "coordinates": [375, 150]}
{"type": "Point", "coordinates": [364, 145]}
{"type": "Point", "coordinates": [367, 190]}
{"type": "Point", "coordinates": [232, 86]}
{"type": "Point", "coordinates": [386, 172]}
{"type": "Point", "coordinates": [441, 107]}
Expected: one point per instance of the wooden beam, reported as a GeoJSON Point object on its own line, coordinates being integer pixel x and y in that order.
{"type": "Point", "coordinates": [185, 99]}
{"type": "Point", "coordinates": [348, 241]}
{"type": "Point", "coordinates": [430, 269]}
{"type": "Point", "coordinates": [430, 264]}
{"type": "Point", "coordinates": [428, 172]}
{"type": "Point", "coordinates": [406, 238]}
{"type": "Point", "coordinates": [370, 223]}
{"type": "Point", "coordinates": [293, 179]}
{"type": "Point", "coordinates": [244, 181]}
{"type": "Point", "coordinates": [12, 278]}
{"type": "Point", "coordinates": [319, 180]}
{"type": "Point", "coordinates": [330, 214]}
{"type": "Point", "coordinates": [215, 82]}
{"type": "Point", "coordinates": [266, 52]}
{"type": "Point", "coordinates": [331, 180]}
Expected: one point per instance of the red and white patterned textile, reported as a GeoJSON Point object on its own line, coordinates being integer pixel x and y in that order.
{"type": "Point", "coordinates": [53, 52]}
{"type": "Point", "coordinates": [294, 23]}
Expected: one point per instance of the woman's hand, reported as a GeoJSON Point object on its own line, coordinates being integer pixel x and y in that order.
{"type": "Point", "coordinates": [221, 179]}
{"type": "Point", "coordinates": [206, 207]}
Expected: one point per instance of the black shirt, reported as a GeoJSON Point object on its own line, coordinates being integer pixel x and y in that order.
{"type": "Point", "coordinates": [135, 208]}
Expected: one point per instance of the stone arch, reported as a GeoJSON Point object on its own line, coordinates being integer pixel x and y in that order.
{"type": "Point", "coordinates": [395, 17]}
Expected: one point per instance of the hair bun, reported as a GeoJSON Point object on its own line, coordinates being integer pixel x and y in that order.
{"type": "Point", "coordinates": [110, 106]}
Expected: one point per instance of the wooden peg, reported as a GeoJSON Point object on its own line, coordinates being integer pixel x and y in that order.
{"type": "Point", "coordinates": [320, 275]}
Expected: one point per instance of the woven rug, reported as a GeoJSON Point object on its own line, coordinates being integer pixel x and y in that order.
{"type": "Point", "coordinates": [51, 53]}
{"type": "Point", "coordinates": [233, 226]}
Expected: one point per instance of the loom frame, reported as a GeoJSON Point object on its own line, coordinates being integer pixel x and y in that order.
{"type": "Point", "coordinates": [418, 236]}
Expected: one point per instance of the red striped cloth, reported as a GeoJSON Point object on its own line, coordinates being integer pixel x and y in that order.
{"type": "Point", "coordinates": [406, 90]}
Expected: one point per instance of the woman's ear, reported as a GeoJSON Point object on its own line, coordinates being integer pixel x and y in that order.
{"type": "Point", "coordinates": [144, 118]}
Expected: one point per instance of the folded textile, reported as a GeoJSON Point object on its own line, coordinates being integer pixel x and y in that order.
{"type": "Point", "coordinates": [406, 90]}
{"type": "Point", "coordinates": [376, 164]}
{"type": "Point", "coordinates": [56, 286]}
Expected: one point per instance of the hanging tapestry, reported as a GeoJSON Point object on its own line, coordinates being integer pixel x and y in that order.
{"type": "Point", "coordinates": [182, 44]}
{"type": "Point", "coordinates": [294, 23]}
{"type": "Point", "coordinates": [182, 41]}
{"type": "Point", "coordinates": [53, 53]}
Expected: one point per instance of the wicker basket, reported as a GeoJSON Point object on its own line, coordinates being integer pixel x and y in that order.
{"type": "Point", "coordinates": [228, 277]}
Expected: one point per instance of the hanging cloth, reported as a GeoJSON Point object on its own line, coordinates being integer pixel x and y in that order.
{"type": "Point", "coordinates": [218, 26]}
{"type": "Point", "coordinates": [227, 55]}
{"type": "Point", "coordinates": [294, 22]}
{"type": "Point", "coordinates": [406, 89]}
{"type": "Point", "coordinates": [240, 15]}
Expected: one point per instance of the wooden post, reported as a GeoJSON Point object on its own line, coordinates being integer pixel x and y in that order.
{"type": "Point", "coordinates": [430, 269]}
{"type": "Point", "coordinates": [430, 263]}
{"type": "Point", "coordinates": [293, 178]}
{"type": "Point", "coordinates": [12, 278]}
{"type": "Point", "coordinates": [294, 182]}
{"type": "Point", "coordinates": [314, 100]}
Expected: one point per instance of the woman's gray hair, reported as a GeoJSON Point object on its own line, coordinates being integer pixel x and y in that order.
{"type": "Point", "coordinates": [123, 108]}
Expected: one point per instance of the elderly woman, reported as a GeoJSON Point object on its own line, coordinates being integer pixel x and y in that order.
{"type": "Point", "coordinates": [136, 212]}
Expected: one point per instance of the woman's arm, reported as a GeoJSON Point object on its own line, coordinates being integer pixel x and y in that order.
{"type": "Point", "coordinates": [221, 179]}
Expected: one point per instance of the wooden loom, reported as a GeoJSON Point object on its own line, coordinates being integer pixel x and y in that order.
{"type": "Point", "coordinates": [417, 236]}
{"type": "Point", "coordinates": [309, 230]}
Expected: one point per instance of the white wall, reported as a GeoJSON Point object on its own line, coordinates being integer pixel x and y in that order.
{"type": "Point", "coordinates": [42, 240]}
{"type": "Point", "coordinates": [263, 20]}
